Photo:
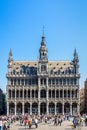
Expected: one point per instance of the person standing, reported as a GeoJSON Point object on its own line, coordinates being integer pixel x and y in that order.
{"type": "Point", "coordinates": [36, 122]}
{"type": "Point", "coordinates": [75, 122]}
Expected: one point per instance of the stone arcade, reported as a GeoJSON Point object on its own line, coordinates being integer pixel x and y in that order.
{"type": "Point", "coordinates": [43, 86]}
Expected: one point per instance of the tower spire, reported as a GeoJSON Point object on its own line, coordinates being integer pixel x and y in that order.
{"type": "Point", "coordinates": [10, 56]}
{"type": "Point", "coordinates": [43, 50]}
{"type": "Point", "coordinates": [75, 61]}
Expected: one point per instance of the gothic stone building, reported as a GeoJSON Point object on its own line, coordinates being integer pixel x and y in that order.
{"type": "Point", "coordinates": [43, 86]}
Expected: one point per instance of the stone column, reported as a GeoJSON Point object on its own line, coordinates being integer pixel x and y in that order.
{"type": "Point", "coordinates": [30, 94]}
{"type": "Point", "coordinates": [63, 94]}
{"type": "Point", "coordinates": [47, 89]}
{"type": "Point", "coordinates": [30, 108]}
{"type": "Point", "coordinates": [71, 94]}
{"type": "Point", "coordinates": [19, 93]}
{"type": "Point", "coordinates": [55, 94]}
{"type": "Point", "coordinates": [15, 108]}
{"type": "Point", "coordinates": [39, 108]}
{"type": "Point", "coordinates": [15, 94]}
{"type": "Point", "coordinates": [38, 95]}
{"type": "Point", "coordinates": [63, 108]}
{"type": "Point", "coordinates": [27, 93]}
{"type": "Point", "coordinates": [7, 108]}
{"type": "Point", "coordinates": [47, 108]}
{"type": "Point", "coordinates": [23, 93]}
{"type": "Point", "coordinates": [67, 93]}
{"type": "Point", "coordinates": [71, 109]}
{"type": "Point", "coordinates": [59, 93]}
{"type": "Point", "coordinates": [39, 88]}
{"type": "Point", "coordinates": [24, 82]}
{"type": "Point", "coordinates": [23, 108]}
{"type": "Point", "coordinates": [55, 109]}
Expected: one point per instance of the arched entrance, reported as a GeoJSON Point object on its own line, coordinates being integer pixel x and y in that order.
{"type": "Point", "coordinates": [59, 108]}
{"type": "Point", "coordinates": [11, 108]}
{"type": "Point", "coordinates": [27, 108]}
{"type": "Point", "coordinates": [43, 108]}
{"type": "Point", "coordinates": [67, 108]}
{"type": "Point", "coordinates": [51, 108]}
{"type": "Point", "coordinates": [34, 108]}
{"type": "Point", "coordinates": [19, 108]}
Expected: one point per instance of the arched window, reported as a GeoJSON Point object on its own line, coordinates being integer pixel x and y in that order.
{"type": "Point", "coordinates": [43, 68]}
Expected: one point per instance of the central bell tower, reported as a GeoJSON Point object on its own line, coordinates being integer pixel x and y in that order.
{"type": "Point", "coordinates": [43, 57]}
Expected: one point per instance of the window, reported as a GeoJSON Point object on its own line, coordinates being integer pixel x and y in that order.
{"type": "Point", "coordinates": [43, 68]}
{"type": "Point", "coordinates": [49, 81]}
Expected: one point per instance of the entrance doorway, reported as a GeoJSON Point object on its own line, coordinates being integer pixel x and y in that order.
{"type": "Point", "coordinates": [43, 108]}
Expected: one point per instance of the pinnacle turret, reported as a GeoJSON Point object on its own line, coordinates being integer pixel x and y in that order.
{"type": "Point", "coordinates": [10, 56]}
{"type": "Point", "coordinates": [75, 61]}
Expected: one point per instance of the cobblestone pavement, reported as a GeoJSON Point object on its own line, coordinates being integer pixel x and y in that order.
{"type": "Point", "coordinates": [66, 125]}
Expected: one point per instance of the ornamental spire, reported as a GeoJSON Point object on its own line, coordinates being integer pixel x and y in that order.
{"type": "Point", "coordinates": [10, 56]}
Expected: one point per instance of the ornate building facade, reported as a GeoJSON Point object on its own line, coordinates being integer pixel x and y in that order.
{"type": "Point", "coordinates": [43, 86]}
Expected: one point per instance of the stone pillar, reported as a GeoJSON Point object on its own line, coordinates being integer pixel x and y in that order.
{"type": "Point", "coordinates": [39, 108]}
{"type": "Point", "coordinates": [47, 95]}
{"type": "Point", "coordinates": [55, 109]}
{"type": "Point", "coordinates": [47, 108]}
{"type": "Point", "coordinates": [23, 108]}
{"type": "Point", "coordinates": [55, 94]}
{"type": "Point", "coordinates": [67, 93]}
{"type": "Point", "coordinates": [39, 88]}
{"type": "Point", "coordinates": [7, 108]}
{"type": "Point", "coordinates": [15, 94]}
{"type": "Point", "coordinates": [23, 93]}
{"type": "Point", "coordinates": [71, 109]}
{"type": "Point", "coordinates": [38, 95]}
{"type": "Point", "coordinates": [59, 93]}
{"type": "Point", "coordinates": [74, 93]}
{"type": "Point", "coordinates": [27, 93]}
{"type": "Point", "coordinates": [15, 108]}
{"type": "Point", "coordinates": [63, 108]}
{"type": "Point", "coordinates": [19, 93]}
{"type": "Point", "coordinates": [63, 94]}
{"type": "Point", "coordinates": [30, 94]}
{"type": "Point", "coordinates": [71, 94]}
{"type": "Point", "coordinates": [24, 82]}
{"type": "Point", "coordinates": [30, 108]}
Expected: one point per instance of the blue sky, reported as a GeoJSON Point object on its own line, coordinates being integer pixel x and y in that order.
{"type": "Point", "coordinates": [21, 25]}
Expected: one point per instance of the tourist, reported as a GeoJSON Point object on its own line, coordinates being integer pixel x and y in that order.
{"type": "Point", "coordinates": [36, 122]}
{"type": "Point", "coordinates": [4, 126]}
{"type": "Point", "coordinates": [75, 122]}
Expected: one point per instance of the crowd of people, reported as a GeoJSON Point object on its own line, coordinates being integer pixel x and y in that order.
{"type": "Point", "coordinates": [6, 122]}
{"type": "Point", "coordinates": [80, 120]}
